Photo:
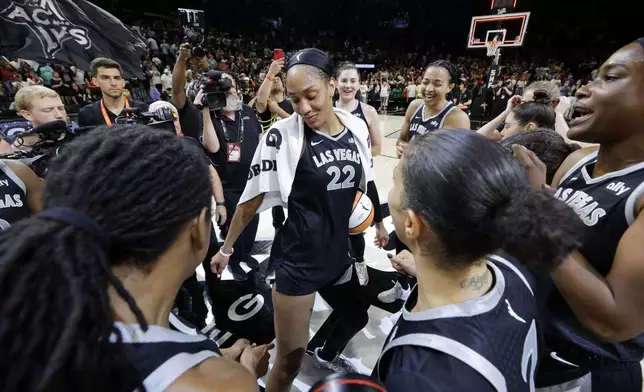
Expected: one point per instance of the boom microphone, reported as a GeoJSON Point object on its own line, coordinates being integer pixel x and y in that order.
{"type": "Point", "coordinates": [46, 129]}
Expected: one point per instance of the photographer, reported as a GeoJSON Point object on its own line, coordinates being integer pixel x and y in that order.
{"type": "Point", "coordinates": [108, 76]}
{"type": "Point", "coordinates": [231, 142]}
{"type": "Point", "coordinates": [20, 192]}
{"type": "Point", "coordinates": [271, 105]}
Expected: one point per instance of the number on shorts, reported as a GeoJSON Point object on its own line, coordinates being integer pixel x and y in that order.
{"type": "Point", "coordinates": [530, 353]}
{"type": "Point", "coordinates": [335, 184]}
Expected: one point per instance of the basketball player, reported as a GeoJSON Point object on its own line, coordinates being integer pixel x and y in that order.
{"type": "Point", "coordinates": [521, 117]}
{"type": "Point", "coordinates": [471, 322]}
{"type": "Point", "coordinates": [433, 110]}
{"type": "Point", "coordinates": [348, 86]}
{"type": "Point", "coordinates": [310, 252]}
{"type": "Point", "coordinates": [595, 319]}
{"type": "Point", "coordinates": [20, 192]}
{"type": "Point", "coordinates": [88, 284]}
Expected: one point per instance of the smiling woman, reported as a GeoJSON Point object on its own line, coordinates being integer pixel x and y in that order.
{"type": "Point", "coordinates": [594, 310]}
{"type": "Point", "coordinates": [433, 111]}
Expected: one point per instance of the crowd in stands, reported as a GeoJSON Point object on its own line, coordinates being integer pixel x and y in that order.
{"type": "Point", "coordinates": [396, 75]}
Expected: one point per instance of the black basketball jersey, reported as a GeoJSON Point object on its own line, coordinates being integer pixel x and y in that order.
{"type": "Point", "coordinates": [13, 198]}
{"type": "Point", "coordinates": [313, 242]}
{"type": "Point", "coordinates": [357, 111]}
{"type": "Point", "coordinates": [606, 204]}
{"type": "Point", "coordinates": [419, 125]}
{"type": "Point", "coordinates": [485, 344]}
{"type": "Point", "coordinates": [162, 355]}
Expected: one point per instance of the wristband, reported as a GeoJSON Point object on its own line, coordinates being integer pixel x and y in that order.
{"type": "Point", "coordinates": [218, 204]}
{"type": "Point", "coordinates": [221, 252]}
{"type": "Point", "coordinates": [271, 78]}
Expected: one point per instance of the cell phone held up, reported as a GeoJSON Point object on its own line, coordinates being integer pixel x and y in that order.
{"type": "Point", "coordinates": [278, 54]}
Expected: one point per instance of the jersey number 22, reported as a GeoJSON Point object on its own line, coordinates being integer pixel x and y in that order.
{"type": "Point", "coordinates": [336, 175]}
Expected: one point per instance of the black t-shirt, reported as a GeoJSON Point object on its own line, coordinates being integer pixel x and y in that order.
{"type": "Point", "coordinates": [235, 174]}
{"type": "Point", "coordinates": [190, 121]}
{"type": "Point", "coordinates": [92, 115]}
{"type": "Point", "coordinates": [267, 118]}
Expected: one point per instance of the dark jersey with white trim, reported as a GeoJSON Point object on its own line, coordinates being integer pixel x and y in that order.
{"type": "Point", "coordinates": [419, 125]}
{"type": "Point", "coordinates": [485, 344]}
{"type": "Point", "coordinates": [162, 355]}
{"type": "Point", "coordinates": [13, 198]}
{"type": "Point", "coordinates": [312, 247]}
{"type": "Point", "coordinates": [606, 204]}
{"type": "Point", "coordinates": [357, 111]}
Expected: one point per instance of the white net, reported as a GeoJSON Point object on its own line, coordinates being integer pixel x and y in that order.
{"type": "Point", "coordinates": [492, 47]}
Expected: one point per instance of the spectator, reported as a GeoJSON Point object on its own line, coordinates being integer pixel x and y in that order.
{"type": "Point", "coordinates": [46, 73]}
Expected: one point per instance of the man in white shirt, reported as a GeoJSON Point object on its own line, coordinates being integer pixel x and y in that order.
{"type": "Point", "coordinates": [384, 97]}
{"type": "Point", "coordinates": [411, 91]}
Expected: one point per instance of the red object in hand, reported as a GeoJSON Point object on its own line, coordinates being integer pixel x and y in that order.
{"type": "Point", "coordinates": [278, 54]}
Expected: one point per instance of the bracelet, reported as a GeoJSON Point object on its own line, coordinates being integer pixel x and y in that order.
{"type": "Point", "coordinates": [220, 204]}
{"type": "Point", "coordinates": [221, 252]}
{"type": "Point", "coordinates": [271, 78]}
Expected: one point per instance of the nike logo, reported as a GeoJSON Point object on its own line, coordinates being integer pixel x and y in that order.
{"type": "Point", "coordinates": [313, 144]}
{"type": "Point", "coordinates": [364, 207]}
{"type": "Point", "coordinates": [298, 56]}
{"type": "Point", "coordinates": [556, 357]}
{"type": "Point", "coordinates": [512, 313]}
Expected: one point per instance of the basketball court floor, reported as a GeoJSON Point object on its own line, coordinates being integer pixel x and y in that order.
{"type": "Point", "coordinates": [364, 348]}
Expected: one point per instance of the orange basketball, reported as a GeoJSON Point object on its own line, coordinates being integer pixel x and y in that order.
{"type": "Point", "coordinates": [361, 214]}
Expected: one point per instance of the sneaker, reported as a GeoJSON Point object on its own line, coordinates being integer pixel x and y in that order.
{"type": "Point", "coordinates": [393, 294]}
{"type": "Point", "coordinates": [339, 365]}
{"type": "Point", "coordinates": [363, 274]}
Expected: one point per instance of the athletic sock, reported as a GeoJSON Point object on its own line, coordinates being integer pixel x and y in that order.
{"type": "Point", "coordinates": [359, 259]}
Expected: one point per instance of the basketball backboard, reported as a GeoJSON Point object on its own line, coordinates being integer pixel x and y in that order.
{"type": "Point", "coordinates": [512, 27]}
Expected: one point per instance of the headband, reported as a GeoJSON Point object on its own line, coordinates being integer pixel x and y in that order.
{"type": "Point", "coordinates": [641, 42]}
{"type": "Point", "coordinates": [313, 57]}
{"type": "Point", "coordinates": [76, 219]}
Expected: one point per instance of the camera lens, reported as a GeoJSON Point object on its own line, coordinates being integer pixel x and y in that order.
{"type": "Point", "coordinates": [198, 52]}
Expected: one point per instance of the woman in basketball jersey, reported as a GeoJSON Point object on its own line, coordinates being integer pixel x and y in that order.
{"type": "Point", "coordinates": [595, 313]}
{"type": "Point", "coordinates": [310, 254]}
{"type": "Point", "coordinates": [470, 323]}
{"type": "Point", "coordinates": [20, 192]}
{"type": "Point", "coordinates": [521, 117]}
{"type": "Point", "coordinates": [87, 285]}
{"type": "Point", "coordinates": [433, 110]}
{"type": "Point", "coordinates": [348, 88]}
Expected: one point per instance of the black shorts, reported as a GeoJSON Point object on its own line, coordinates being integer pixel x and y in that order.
{"type": "Point", "coordinates": [291, 280]}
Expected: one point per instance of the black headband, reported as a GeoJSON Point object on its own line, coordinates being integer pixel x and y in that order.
{"type": "Point", "coordinates": [313, 57]}
{"type": "Point", "coordinates": [77, 219]}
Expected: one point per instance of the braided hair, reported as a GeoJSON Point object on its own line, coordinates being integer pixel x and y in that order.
{"type": "Point", "coordinates": [140, 186]}
{"type": "Point", "coordinates": [448, 66]}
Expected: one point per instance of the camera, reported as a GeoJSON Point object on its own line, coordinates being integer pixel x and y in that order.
{"type": "Point", "coordinates": [215, 88]}
{"type": "Point", "coordinates": [163, 118]}
{"type": "Point", "coordinates": [195, 38]}
{"type": "Point", "coordinates": [49, 139]}
{"type": "Point", "coordinates": [193, 23]}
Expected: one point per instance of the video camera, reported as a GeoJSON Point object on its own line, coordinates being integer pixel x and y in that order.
{"type": "Point", "coordinates": [49, 138]}
{"type": "Point", "coordinates": [193, 22]}
{"type": "Point", "coordinates": [215, 88]}
{"type": "Point", "coordinates": [162, 118]}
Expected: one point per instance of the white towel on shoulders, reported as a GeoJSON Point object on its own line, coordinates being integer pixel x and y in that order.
{"type": "Point", "coordinates": [278, 153]}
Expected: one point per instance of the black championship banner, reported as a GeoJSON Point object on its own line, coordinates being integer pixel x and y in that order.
{"type": "Point", "coordinates": [67, 31]}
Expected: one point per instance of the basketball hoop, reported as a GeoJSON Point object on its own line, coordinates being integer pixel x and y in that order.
{"type": "Point", "coordinates": [492, 47]}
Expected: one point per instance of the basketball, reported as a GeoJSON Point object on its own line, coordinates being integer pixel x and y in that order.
{"type": "Point", "coordinates": [361, 214]}
{"type": "Point", "coordinates": [351, 382]}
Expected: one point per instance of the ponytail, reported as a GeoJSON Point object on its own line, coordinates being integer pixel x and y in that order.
{"type": "Point", "coordinates": [538, 230]}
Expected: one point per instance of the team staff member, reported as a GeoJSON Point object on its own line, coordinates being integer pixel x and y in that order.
{"type": "Point", "coordinates": [271, 105]}
{"type": "Point", "coordinates": [231, 143]}
{"type": "Point", "coordinates": [596, 324]}
{"type": "Point", "coordinates": [433, 110]}
{"type": "Point", "coordinates": [107, 75]}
